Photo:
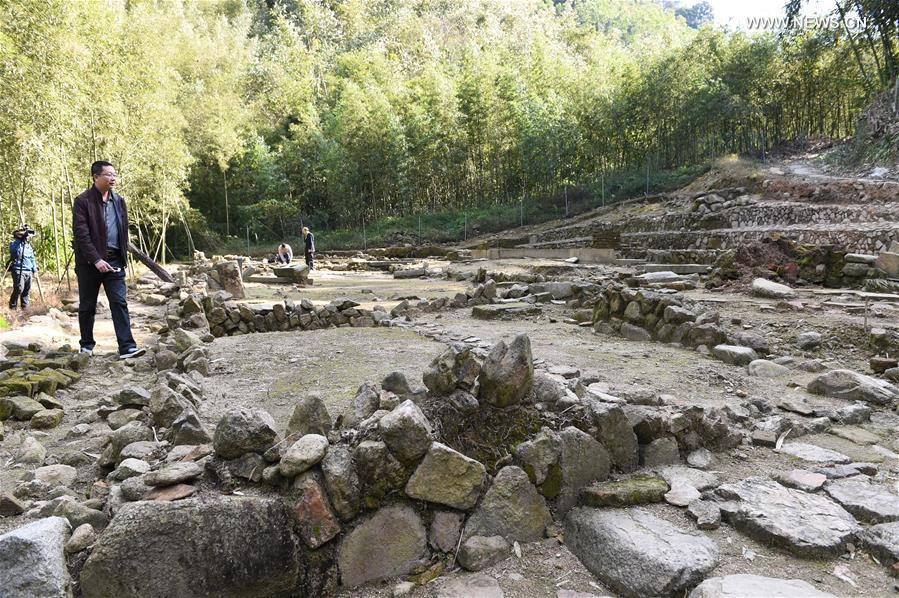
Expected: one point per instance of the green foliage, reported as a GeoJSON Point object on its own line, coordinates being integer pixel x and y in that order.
{"type": "Point", "coordinates": [258, 116]}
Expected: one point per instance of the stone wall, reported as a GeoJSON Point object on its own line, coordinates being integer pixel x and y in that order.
{"type": "Point", "coordinates": [397, 489]}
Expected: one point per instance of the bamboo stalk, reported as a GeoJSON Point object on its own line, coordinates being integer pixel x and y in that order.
{"type": "Point", "coordinates": [55, 236]}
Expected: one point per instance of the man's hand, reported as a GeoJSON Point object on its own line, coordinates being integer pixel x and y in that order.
{"type": "Point", "coordinates": [103, 266]}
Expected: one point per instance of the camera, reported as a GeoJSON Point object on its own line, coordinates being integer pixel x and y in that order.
{"type": "Point", "coordinates": [24, 233]}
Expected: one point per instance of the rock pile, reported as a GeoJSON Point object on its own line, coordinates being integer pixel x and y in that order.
{"type": "Point", "coordinates": [29, 380]}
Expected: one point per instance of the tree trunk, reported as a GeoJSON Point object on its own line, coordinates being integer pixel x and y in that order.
{"type": "Point", "coordinates": [55, 236]}
{"type": "Point", "coordinates": [227, 208]}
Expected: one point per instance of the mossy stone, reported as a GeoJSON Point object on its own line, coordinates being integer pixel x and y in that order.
{"type": "Point", "coordinates": [552, 485]}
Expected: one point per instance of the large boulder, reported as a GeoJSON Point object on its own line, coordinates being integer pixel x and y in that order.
{"type": "Point", "coordinates": [511, 508]}
{"type": "Point", "coordinates": [341, 481]}
{"type": "Point", "coordinates": [454, 368]}
{"type": "Point", "coordinates": [242, 431]}
{"type": "Point", "coordinates": [229, 277]}
{"type": "Point", "coordinates": [852, 386]}
{"type": "Point", "coordinates": [33, 562]}
{"type": "Point", "coordinates": [808, 525]}
{"type": "Point", "coordinates": [310, 416]}
{"type": "Point", "coordinates": [380, 474]}
{"type": "Point", "coordinates": [231, 546]}
{"type": "Point", "coordinates": [540, 455]}
{"type": "Point", "coordinates": [447, 477]}
{"type": "Point", "coordinates": [734, 354]}
{"type": "Point", "coordinates": [745, 585]}
{"type": "Point", "coordinates": [366, 401]}
{"type": "Point", "coordinates": [315, 518]}
{"type": "Point", "coordinates": [615, 432]}
{"type": "Point", "coordinates": [406, 431]}
{"type": "Point", "coordinates": [166, 405]}
{"type": "Point", "coordinates": [637, 554]}
{"type": "Point", "coordinates": [480, 552]}
{"type": "Point", "coordinates": [303, 454]}
{"type": "Point", "coordinates": [391, 542]}
{"type": "Point", "coordinates": [583, 461]}
{"type": "Point", "coordinates": [507, 375]}
{"type": "Point", "coordinates": [772, 290]}
{"type": "Point", "coordinates": [46, 419]}
{"type": "Point", "coordinates": [124, 436]}
{"type": "Point", "coordinates": [19, 408]}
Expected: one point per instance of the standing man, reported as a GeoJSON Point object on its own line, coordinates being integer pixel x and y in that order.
{"type": "Point", "coordinates": [309, 243]}
{"type": "Point", "coordinates": [23, 266]}
{"type": "Point", "coordinates": [100, 226]}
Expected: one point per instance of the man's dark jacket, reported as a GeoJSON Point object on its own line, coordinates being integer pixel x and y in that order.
{"type": "Point", "coordinates": [89, 226]}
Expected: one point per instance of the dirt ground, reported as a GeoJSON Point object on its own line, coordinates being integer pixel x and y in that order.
{"type": "Point", "coordinates": [271, 370]}
{"type": "Point", "coordinates": [684, 375]}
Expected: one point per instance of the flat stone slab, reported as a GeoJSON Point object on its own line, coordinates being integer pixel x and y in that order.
{"type": "Point", "coordinates": [681, 496]}
{"type": "Point", "coordinates": [807, 481]}
{"type": "Point", "coordinates": [855, 434]}
{"type": "Point", "coordinates": [882, 541]}
{"type": "Point", "coordinates": [868, 502]}
{"type": "Point", "coordinates": [756, 586]}
{"type": "Point", "coordinates": [637, 490]}
{"type": "Point", "coordinates": [679, 475]}
{"type": "Point", "coordinates": [813, 453]}
{"type": "Point", "coordinates": [808, 525]}
{"type": "Point", "coordinates": [475, 585]}
{"type": "Point", "coordinates": [637, 554]}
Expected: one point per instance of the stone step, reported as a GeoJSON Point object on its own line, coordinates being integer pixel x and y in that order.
{"type": "Point", "coordinates": [676, 268]}
{"type": "Point", "coordinates": [562, 242]}
{"type": "Point", "coordinates": [865, 238]}
{"type": "Point", "coordinates": [629, 261]}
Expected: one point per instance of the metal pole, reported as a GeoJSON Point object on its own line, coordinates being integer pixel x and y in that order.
{"type": "Point", "coordinates": [248, 239]}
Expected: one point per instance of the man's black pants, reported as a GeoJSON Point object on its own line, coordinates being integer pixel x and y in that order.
{"type": "Point", "coordinates": [21, 288]}
{"type": "Point", "coordinates": [89, 281]}
{"type": "Point", "coordinates": [309, 260]}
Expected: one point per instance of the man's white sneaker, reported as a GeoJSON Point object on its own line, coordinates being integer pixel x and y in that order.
{"type": "Point", "coordinates": [132, 353]}
{"type": "Point", "coordinates": [87, 352]}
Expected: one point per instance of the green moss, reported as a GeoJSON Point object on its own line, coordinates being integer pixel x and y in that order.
{"type": "Point", "coordinates": [552, 485]}
{"type": "Point", "coordinates": [18, 386]}
{"type": "Point", "coordinates": [44, 384]}
{"type": "Point", "coordinates": [429, 574]}
{"type": "Point", "coordinates": [637, 490]}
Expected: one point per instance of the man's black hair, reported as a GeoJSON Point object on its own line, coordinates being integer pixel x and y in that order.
{"type": "Point", "coordinates": [98, 166]}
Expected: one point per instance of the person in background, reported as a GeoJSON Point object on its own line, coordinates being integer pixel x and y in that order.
{"type": "Point", "coordinates": [309, 247]}
{"type": "Point", "coordinates": [100, 227]}
{"type": "Point", "coordinates": [22, 266]}
{"type": "Point", "coordinates": [285, 254]}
